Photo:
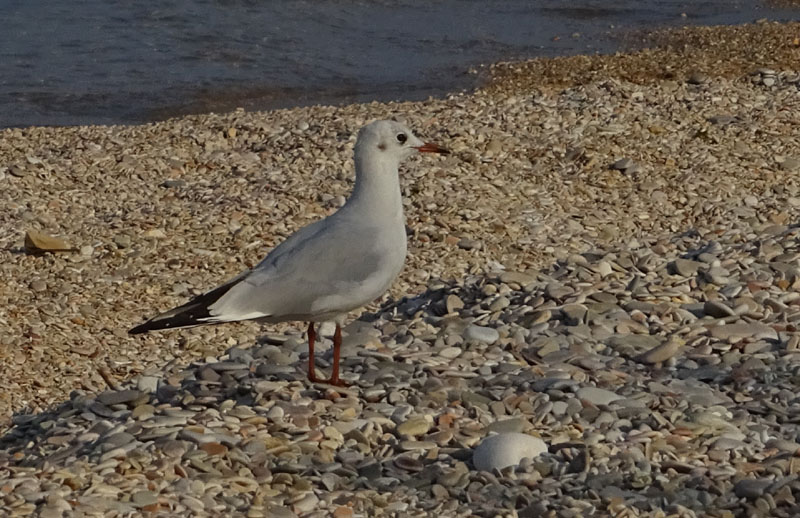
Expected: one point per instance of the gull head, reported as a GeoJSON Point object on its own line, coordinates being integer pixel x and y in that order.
{"type": "Point", "coordinates": [392, 141]}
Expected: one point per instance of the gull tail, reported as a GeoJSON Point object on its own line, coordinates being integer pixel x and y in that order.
{"type": "Point", "coordinates": [193, 313]}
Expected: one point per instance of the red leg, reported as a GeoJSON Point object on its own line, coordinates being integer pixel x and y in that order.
{"type": "Point", "coordinates": [312, 336]}
{"type": "Point", "coordinates": [337, 346]}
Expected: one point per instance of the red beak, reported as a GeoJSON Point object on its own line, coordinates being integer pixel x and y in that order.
{"type": "Point", "coordinates": [432, 148]}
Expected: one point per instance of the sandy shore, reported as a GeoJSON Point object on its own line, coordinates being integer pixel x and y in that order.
{"type": "Point", "coordinates": [553, 158]}
{"type": "Point", "coordinates": [528, 184]}
{"type": "Point", "coordinates": [519, 181]}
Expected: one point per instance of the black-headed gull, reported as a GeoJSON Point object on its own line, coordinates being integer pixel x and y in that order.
{"type": "Point", "coordinates": [330, 267]}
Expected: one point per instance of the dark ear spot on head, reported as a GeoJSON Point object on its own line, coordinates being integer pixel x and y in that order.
{"type": "Point", "coordinates": [382, 146]}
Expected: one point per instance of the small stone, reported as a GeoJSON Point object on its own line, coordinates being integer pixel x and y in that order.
{"type": "Point", "coordinates": [574, 314]}
{"type": "Point", "coordinates": [118, 397]}
{"type": "Point", "coordinates": [741, 330]}
{"type": "Point", "coordinates": [507, 449]}
{"type": "Point", "coordinates": [306, 504]}
{"type": "Point", "coordinates": [454, 303]}
{"type": "Point", "coordinates": [697, 78]}
{"type": "Point", "coordinates": [332, 433]}
{"type": "Point", "coordinates": [214, 448]}
{"type": "Point", "coordinates": [279, 511]}
{"type": "Point", "coordinates": [631, 345]}
{"type": "Point", "coordinates": [414, 426]}
{"type": "Point", "coordinates": [343, 512]}
{"type": "Point", "coordinates": [785, 445]}
{"type": "Point", "coordinates": [38, 285]}
{"type": "Point", "coordinates": [727, 443]}
{"type": "Point", "coordinates": [452, 477]}
{"type": "Point", "coordinates": [442, 437]}
{"type": "Point", "coordinates": [559, 408]}
{"type": "Point", "coordinates": [155, 233]}
{"type": "Point", "coordinates": [450, 352]}
{"type": "Point", "coordinates": [538, 317]}
{"type": "Point", "coordinates": [623, 164]}
{"type": "Point", "coordinates": [36, 242]}
{"type": "Point", "coordinates": [721, 120]}
{"type": "Point", "coordinates": [717, 309]}
{"type": "Point", "coordinates": [173, 183]}
{"type": "Point", "coordinates": [408, 463]}
{"type": "Point", "coordinates": [174, 449]}
{"type": "Point", "coordinates": [439, 492]}
{"type": "Point", "coordinates": [116, 440]}
{"type": "Point", "coordinates": [494, 147]}
{"type": "Point", "coordinates": [275, 413]}
{"type": "Point", "coordinates": [508, 425]}
{"type": "Point", "coordinates": [663, 352]}
{"type": "Point", "coordinates": [16, 171]}
{"type": "Point", "coordinates": [790, 163]}
{"type": "Point", "coordinates": [499, 304]}
{"type": "Point", "coordinates": [717, 275]}
{"type": "Point", "coordinates": [144, 498]}
{"type": "Point", "coordinates": [685, 267]}
{"type": "Point", "coordinates": [417, 445]}
{"type": "Point", "coordinates": [751, 201]}
{"type": "Point", "coordinates": [122, 240]}
{"type": "Point", "coordinates": [143, 412]}
{"type": "Point", "coordinates": [521, 278]}
{"type": "Point", "coordinates": [751, 488]}
{"type": "Point", "coordinates": [469, 244]}
{"type": "Point", "coordinates": [147, 384]}
{"type": "Point", "coordinates": [604, 269]}
{"type": "Point", "coordinates": [481, 334]}
{"type": "Point", "coordinates": [597, 396]}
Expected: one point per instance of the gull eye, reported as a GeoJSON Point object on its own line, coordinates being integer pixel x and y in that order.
{"type": "Point", "coordinates": [401, 138]}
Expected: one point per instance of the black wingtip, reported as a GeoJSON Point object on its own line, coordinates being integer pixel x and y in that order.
{"type": "Point", "coordinates": [140, 329]}
{"type": "Point", "coordinates": [151, 325]}
{"type": "Point", "coordinates": [186, 318]}
{"type": "Point", "coordinates": [193, 313]}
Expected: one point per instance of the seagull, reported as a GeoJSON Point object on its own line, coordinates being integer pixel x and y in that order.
{"type": "Point", "coordinates": [330, 267]}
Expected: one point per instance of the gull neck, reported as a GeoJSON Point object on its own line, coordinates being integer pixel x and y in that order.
{"type": "Point", "coordinates": [377, 187]}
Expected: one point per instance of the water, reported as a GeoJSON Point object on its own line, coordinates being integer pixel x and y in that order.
{"type": "Point", "coordinates": [113, 61]}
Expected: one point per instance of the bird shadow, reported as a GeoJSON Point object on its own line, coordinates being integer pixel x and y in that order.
{"type": "Point", "coordinates": [34, 438]}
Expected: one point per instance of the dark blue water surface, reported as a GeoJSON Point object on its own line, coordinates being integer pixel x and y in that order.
{"type": "Point", "coordinates": [112, 61]}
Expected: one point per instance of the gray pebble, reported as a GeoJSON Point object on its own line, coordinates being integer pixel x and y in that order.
{"type": "Point", "coordinates": [122, 240]}
{"type": "Point", "coordinates": [751, 488]}
{"type": "Point", "coordinates": [117, 397]}
{"type": "Point", "coordinates": [597, 396]}
{"type": "Point", "coordinates": [481, 334]}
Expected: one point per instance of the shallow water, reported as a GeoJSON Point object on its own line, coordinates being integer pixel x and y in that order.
{"type": "Point", "coordinates": [112, 61]}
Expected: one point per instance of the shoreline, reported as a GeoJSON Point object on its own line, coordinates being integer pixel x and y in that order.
{"type": "Point", "coordinates": [669, 55]}
{"type": "Point", "coordinates": [598, 189]}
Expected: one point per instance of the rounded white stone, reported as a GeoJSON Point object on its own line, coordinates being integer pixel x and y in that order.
{"type": "Point", "coordinates": [506, 449]}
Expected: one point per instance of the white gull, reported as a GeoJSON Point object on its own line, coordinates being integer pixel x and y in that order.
{"type": "Point", "coordinates": [330, 267]}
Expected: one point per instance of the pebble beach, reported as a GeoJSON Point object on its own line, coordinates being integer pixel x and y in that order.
{"type": "Point", "coordinates": [604, 273]}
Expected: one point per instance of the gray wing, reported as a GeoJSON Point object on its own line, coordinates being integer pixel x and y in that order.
{"type": "Point", "coordinates": [328, 266]}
